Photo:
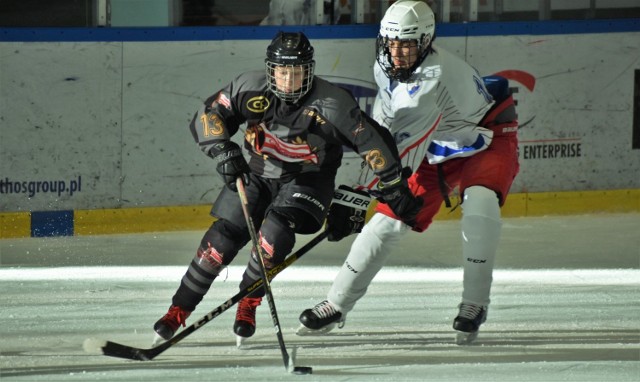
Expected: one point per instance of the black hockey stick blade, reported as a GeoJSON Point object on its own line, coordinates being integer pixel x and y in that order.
{"type": "Point", "coordinates": [114, 349]}
{"type": "Point", "coordinates": [300, 370]}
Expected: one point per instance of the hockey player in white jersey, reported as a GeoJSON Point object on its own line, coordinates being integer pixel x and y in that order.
{"type": "Point", "coordinates": [453, 128]}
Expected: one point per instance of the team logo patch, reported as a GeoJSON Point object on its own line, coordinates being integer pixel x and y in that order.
{"type": "Point", "coordinates": [413, 89]}
{"type": "Point", "coordinates": [258, 104]}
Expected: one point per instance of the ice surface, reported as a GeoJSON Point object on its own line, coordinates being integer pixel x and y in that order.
{"type": "Point", "coordinates": [554, 319]}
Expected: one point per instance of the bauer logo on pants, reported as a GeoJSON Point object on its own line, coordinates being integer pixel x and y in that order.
{"type": "Point", "coordinates": [313, 201]}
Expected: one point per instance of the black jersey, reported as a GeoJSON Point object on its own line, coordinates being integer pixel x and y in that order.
{"type": "Point", "coordinates": [282, 140]}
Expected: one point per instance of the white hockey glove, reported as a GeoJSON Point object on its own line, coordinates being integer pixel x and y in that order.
{"type": "Point", "coordinates": [347, 212]}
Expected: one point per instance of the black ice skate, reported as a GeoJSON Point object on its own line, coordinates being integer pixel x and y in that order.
{"type": "Point", "coordinates": [468, 322]}
{"type": "Point", "coordinates": [166, 327]}
{"type": "Point", "coordinates": [245, 324]}
{"type": "Point", "coordinates": [319, 320]}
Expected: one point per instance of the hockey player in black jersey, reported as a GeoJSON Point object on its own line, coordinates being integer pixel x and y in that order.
{"type": "Point", "coordinates": [296, 127]}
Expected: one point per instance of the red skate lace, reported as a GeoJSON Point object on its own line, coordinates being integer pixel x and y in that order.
{"type": "Point", "coordinates": [247, 309]}
{"type": "Point", "coordinates": [177, 315]}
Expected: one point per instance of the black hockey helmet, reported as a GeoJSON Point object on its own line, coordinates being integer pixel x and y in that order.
{"type": "Point", "coordinates": [290, 50]}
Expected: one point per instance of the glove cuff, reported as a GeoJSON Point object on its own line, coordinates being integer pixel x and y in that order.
{"type": "Point", "coordinates": [225, 155]}
{"type": "Point", "coordinates": [224, 147]}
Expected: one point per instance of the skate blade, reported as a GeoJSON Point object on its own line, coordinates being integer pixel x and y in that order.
{"type": "Point", "coordinates": [465, 338]}
{"type": "Point", "coordinates": [240, 342]}
{"type": "Point", "coordinates": [304, 331]}
{"type": "Point", "coordinates": [157, 340]}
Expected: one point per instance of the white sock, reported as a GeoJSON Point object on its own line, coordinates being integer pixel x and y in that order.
{"type": "Point", "coordinates": [481, 227]}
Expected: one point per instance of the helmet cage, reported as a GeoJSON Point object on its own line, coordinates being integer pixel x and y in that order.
{"type": "Point", "coordinates": [292, 96]}
{"type": "Point", "coordinates": [385, 59]}
{"type": "Point", "coordinates": [291, 51]}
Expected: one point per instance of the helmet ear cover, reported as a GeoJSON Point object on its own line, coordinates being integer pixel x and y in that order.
{"type": "Point", "coordinates": [290, 50]}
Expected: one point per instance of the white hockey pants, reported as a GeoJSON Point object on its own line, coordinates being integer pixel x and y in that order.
{"type": "Point", "coordinates": [367, 256]}
{"type": "Point", "coordinates": [481, 228]}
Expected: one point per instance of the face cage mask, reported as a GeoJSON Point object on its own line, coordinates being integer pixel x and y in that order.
{"type": "Point", "coordinates": [385, 60]}
{"type": "Point", "coordinates": [294, 96]}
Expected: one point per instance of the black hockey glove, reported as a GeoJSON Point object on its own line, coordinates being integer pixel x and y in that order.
{"type": "Point", "coordinates": [231, 164]}
{"type": "Point", "coordinates": [347, 212]}
{"type": "Point", "coordinates": [398, 197]}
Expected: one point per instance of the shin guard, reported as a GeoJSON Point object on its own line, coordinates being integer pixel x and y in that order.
{"type": "Point", "coordinates": [216, 250]}
{"type": "Point", "coordinates": [276, 238]}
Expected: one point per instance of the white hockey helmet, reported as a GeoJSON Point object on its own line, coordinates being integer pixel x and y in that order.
{"type": "Point", "coordinates": [405, 20]}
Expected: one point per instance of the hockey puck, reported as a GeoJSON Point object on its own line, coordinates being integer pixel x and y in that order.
{"type": "Point", "coordinates": [301, 370]}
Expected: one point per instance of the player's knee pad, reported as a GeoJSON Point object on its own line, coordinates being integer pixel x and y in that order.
{"type": "Point", "coordinates": [305, 206]}
{"type": "Point", "coordinates": [298, 219]}
{"type": "Point", "coordinates": [481, 201]}
{"type": "Point", "coordinates": [218, 247]}
{"type": "Point", "coordinates": [277, 237]}
{"type": "Point", "coordinates": [220, 244]}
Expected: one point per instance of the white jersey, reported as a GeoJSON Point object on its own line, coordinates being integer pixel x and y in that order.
{"type": "Point", "coordinates": [436, 115]}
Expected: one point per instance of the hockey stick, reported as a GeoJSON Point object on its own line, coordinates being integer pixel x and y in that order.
{"type": "Point", "coordinates": [288, 360]}
{"type": "Point", "coordinates": [113, 349]}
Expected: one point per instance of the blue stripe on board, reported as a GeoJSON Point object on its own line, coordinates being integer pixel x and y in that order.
{"type": "Point", "coordinates": [51, 223]}
{"type": "Point", "coordinates": [313, 32]}
{"type": "Point", "coordinates": [182, 33]}
{"type": "Point", "coordinates": [553, 27]}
